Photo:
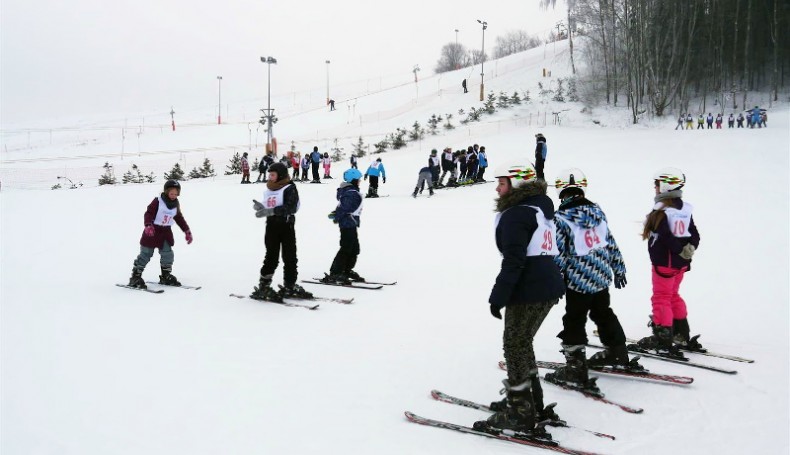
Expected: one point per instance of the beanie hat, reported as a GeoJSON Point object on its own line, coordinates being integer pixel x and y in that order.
{"type": "Point", "coordinates": [279, 169]}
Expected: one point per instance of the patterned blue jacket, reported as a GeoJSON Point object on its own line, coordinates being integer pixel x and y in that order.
{"type": "Point", "coordinates": [592, 272]}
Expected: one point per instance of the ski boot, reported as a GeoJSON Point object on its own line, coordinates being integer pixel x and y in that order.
{"type": "Point", "coordinates": [336, 278]}
{"type": "Point", "coordinates": [167, 278]}
{"type": "Point", "coordinates": [518, 415]}
{"type": "Point", "coordinates": [264, 291]}
{"type": "Point", "coordinates": [615, 357]}
{"type": "Point", "coordinates": [660, 342]}
{"type": "Point", "coordinates": [354, 276]}
{"type": "Point", "coordinates": [683, 338]}
{"type": "Point", "coordinates": [136, 280]}
{"type": "Point", "coordinates": [574, 373]}
{"type": "Point", "coordinates": [295, 291]}
{"type": "Point", "coordinates": [414, 194]}
{"type": "Point", "coordinates": [430, 191]}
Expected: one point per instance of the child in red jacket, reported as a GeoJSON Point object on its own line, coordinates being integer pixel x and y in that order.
{"type": "Point", "coordinates": [162, 212]}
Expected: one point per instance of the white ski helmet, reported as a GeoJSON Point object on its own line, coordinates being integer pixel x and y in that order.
{"type": "Point", "coordinates": [570, 178]}
{"type": "Point", "coordinates": [669, 179]}
{"type": "Point", "coordinates": [518, 171]}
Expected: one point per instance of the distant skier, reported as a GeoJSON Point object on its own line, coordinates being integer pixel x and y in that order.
{"type": "Point", "coordinates": [375, 169]}
{"type": "Point", "coordinates": [434, 165]}
{"type": "Point", "coordinates": [331, 105]}
{"type": "Point", "coordinates": [263, 167]}
{"type": "Point", "coordinates": [740, 120]}
{"type": "Point", "coordinates": [680, 121]}
{"type": "Point", "coordinates": [463, 84]}
{"type": "Point", "coordinates": [158, 219]}
{"type": "Point", "coordinates": [296, 161]}
{"type": "Point", "coordinates": [731, 121]}
{"type": "Point", "coordinates": [326, 161]}
{"type": "Point", "coordinates": [315, 160]}
{"type": "Point", "coordinates": [719, 120]}
{"type": "Point", "coordinates": [425, 175]}
{"type": "Point", "coordinates": [709, 119]}
{"type": "Point", "coordinates": [482, 164]}
{"type": "Point", "coordinates": [541, 151]}
{"type": "Point", "coordinates": [305, 166]}
{"type": "Point", "coordinates": [245, 168]}
{"type": "Point", "coordinates": [347, 216]}
{"type": "Point", "coordinates": [353, 161]}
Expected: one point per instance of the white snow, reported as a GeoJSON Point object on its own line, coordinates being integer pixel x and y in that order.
{"type": "Point", "coordinates": [90, 368]}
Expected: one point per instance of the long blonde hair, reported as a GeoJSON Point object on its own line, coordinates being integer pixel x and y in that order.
{"type": "Point", "coordinates": [656, 217]}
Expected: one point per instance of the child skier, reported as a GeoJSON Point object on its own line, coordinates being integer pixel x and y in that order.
{"type": "Point", "coordinates": [159, 217]}
{"type": "Point", "coordinates": [245, 168]}
{"type": "Point", "coordinates": [281, 202]}
{"type": "Point", "coordinates": [375, 169]}
{"type": "Point", "coordinates": [306, 160]}
{"type": "Point", "coordinates": [347, 217]}
{"type": "Point", "coordinates": [588, 259]}
{"type": "Point", "coordinates": [327, 162]}
{"type": "Point", "coordinates": [529, 284]}
{"type": "Point", "coordinates": [425, 175]}
{"type": "Point", "coordinates": [672, 238]}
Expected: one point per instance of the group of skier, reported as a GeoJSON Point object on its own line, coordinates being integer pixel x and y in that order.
{"type": "Point", "coordinates": [754, 117]}
{"type": "Point", "coordinates": [572, 252]}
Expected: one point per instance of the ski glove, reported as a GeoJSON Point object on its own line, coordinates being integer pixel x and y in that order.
{"type": "Point", "coordinates": [189, 237]}
{"type": "Point", "coordinates": [366, 176]}
{"type": "Point", "coordinates": [384, 179]}
{"type": "Point", "coordinates": [688, 252]}
{"type": "Point", "coordinates": [256, 205]}
{"type": "Point", "coordinates": [149, 230]}
{"type": "Point", "coordinates": [619, 281]}
{"type": "Point", "coordinates": [496, 312]}
{"type": "Point", "coordinates": [264, 212]}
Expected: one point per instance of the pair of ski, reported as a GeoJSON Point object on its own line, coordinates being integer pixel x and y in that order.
{"type": "Point", "coordinates": [301, 302]}
{"type": "Point", "coordinates": [157, 291]}
{"type": "Point", "coordinates": [704, 352]}
{"type": "Point", "coordinates": [669, 358]}
{"type": "Point", "coordinates": [503, 435]}
{"type": "Point", "coordinates": [370, 285]}
{"type": "Point", "coordinates": [595, 393]}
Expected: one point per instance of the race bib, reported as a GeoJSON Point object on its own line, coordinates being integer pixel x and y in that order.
{"type": "Point", "coordinates": [588, 239]}
{"type": "Point", "coordinates": [164, 215]}
{"type": "Point", "coordinates": [679, 220]}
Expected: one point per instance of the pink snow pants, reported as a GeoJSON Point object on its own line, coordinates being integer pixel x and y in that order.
{"type": "Point", "coordinates": [667, 303]}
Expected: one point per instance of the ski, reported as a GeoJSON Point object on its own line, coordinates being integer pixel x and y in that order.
{"type": "Point", "coordinates": [183, 286]}
{"type": "Point", "coordinates": [504, 435]}
{"type": "Point", "coordinates": [441, 396]}
{"type": "Point", "coordinates": [323, 299]}
{"type": "Point", "coordinates": [682, 361]}
{"type": "Point", "coordinates": [285, 302]}
{"type": "Point", "coordinates": [352, 285]}
{"type": "Point", "coordinates": [644, 374]}
{"type": "Point", "coordinates": [705, 352]}
{"type": "Point", "coordinates": [383, 283]}
{"type": "Point", "coordinates": [597, 396]}
{"type": "Point", "coordinates": [153, 291]}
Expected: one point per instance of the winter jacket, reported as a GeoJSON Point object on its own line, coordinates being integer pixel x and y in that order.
{"type": "Point", "coordinates": [245, 165]}
{"type": "Point", "coordinates": [306, 162]}
{"type": "Point", "coordinates": [349, 206]}
{"type": "Point", "coordinates": [295, 162]}
{"type": "Point", "coordinates": [524, 279]}
{"type": "Point", "coordinates": [587, 268]}
{"type": "Point", "coordinates": [664, 247]}
{"type": "Point", "coordinates": [541, 150]}
{"type": "Point", "coordinates": [481, 156]}
{"type": "Point", "coordinates": [315, 157]}
{"type": "Point", "coordinates": [447, 161]}
{"type": "Point", "coordinates": [286, 212]}
{"type": "Point", "coordinates": [162, 234]}
{"type": "Point", "coordinates": [375, 169]}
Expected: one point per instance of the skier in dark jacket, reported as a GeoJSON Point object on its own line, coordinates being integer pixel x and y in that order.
{"type": "Point", "coordinates": [528, 285]}
{"type": "Point", "coordinates": [161, 214]}
{"type": "Point", "coordinates": [541, 151]}
{"type": "Point", "coordinates": [315, 160]}
{"type": "Point", "coordinates": [347, 216]}
{"type": "Point", "coordinates": [281, 202]}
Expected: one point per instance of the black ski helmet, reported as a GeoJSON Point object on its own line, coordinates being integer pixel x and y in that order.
{"type": "Point", "coordinates": [280, 170]}
{"type": "Point", "coordinates": [173, 184]}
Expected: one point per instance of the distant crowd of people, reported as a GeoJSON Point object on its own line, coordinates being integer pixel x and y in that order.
{"type": "Point", "coordinates": [754, 117]}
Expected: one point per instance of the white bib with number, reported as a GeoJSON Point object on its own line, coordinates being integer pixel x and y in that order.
{"type": "Point", "coordinates": [679, 220]}
{"type": "Point", "coordinates": [588, 239]}
{"type": "Point", "coordinates": [164, 215]}
{"type": "Point", "coordinates": [542, 242]}
{"type": "Point", "coordinates": [272, 199]}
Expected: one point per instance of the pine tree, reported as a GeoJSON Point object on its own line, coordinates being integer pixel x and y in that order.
{"type": "Point", "coordinates": [108, 178]}
{"type": "Point", "coordinates": [417, 132]}
{"type": "Point", "coordinates": [150, 178]}
{"type": "Point", "coordinates": [359, 148]}
{"type": "Point", "coordinates": [503, 102]}
{"type": "Point", "coordinates": [381, 146]}
{"type": "Point", "coordinates": [433, 124]}
{"type": "Point", "coordinates": [396, 139]}
{"type": "Point", "coordinates": [559, 94]}
{"type": "Point", "coordinates": [515, 99]}
{"type": "Point", "coordinates": [447, 124]}
{"type": "Point", "coordinates": [235, 165]}
{"type": "Point", "coordinates": [573, 95]}
{"type": "Point", "coordinates": [527, 98]}
{"type": "Point", "coordinates": [489, 106]}
{"type": "Point", "coordinates": [337, 153]}
{"type": "Point", "coordinates": [195, 173]}
{"type": "Point", "coordinates": [175, 174]}
{"type": "Point", "coordinates": [207, 170]}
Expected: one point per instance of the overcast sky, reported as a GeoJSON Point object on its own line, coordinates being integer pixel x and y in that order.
{"type": "Point", "coordinates": [80, 58]}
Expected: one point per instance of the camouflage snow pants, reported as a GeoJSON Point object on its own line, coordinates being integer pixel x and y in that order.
{"type": "Point", "coordinates": [521, 324]}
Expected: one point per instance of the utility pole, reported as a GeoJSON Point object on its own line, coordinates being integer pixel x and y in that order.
{"type": "Point", "coordinates": [219, 101]}
{"type": "Point", "coordinates": [482, 59]}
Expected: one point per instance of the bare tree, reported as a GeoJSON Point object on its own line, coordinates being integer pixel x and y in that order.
{"type": "Point", "coordinates": [514, 41]}
{"type": "Point", "coordinates": [453, 56]}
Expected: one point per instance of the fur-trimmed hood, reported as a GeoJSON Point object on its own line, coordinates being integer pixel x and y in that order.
{"type": "Point", "coordinates": [520, 194]}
